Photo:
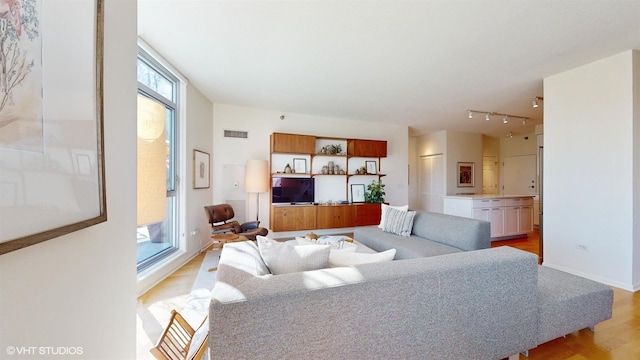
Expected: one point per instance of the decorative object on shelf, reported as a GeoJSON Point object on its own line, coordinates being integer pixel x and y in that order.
{"type": "Point", "coordinates": [325, 169]}
{"type": "Point", "coordinates": [287, 169]}
{"type": "Point", "coordinates": [311, 235]}
{"type": "Point", "coordinates": [331, 149]}
{"type": "Point", "coordinates": [466, 174]}
{"type": "Point", "coordinates": [357, 193]}
{"type": "Point", "coordinates": [300, 165]}
{"type": "Point", "coordinates": [375, 192]}
{"type": "Point", "coordinates": [372, 167]}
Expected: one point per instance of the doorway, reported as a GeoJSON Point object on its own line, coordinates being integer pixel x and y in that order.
{"type": "Point", "coordinates": [431, 183]}
{"type": "Point", "coordinates": [519, 175]}
{"type": "Point", "coordinates": [489, 175]}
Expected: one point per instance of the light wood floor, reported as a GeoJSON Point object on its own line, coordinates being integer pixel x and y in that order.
{"type": "Point", "coordinates": [614, 339]}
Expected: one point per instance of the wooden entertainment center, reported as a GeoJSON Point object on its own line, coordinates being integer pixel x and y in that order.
{"type": "Point", "coordinates": [323, 213]}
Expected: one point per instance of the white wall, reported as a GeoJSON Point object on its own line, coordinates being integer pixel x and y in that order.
{"type": "Point", "coordinates": [260, 123]}
{"type": "Point", "coordinates": [589, 171]}
{"type": "Point", "coordinates": [455, 146]}
{"type": "Point", "coordinates": [80, 289]}
{"type": "Point", "coordinates": [463, 147]}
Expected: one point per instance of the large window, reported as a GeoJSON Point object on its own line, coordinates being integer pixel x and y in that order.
{"type": "Point", "coordinates": [156, 83]}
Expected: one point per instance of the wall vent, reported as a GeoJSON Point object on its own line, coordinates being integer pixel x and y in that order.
{"type": "Point", "coordinates": [236, 134]}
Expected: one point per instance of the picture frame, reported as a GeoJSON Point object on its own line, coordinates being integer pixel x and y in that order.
{"type": "Point", "coordinates": [61, 189]}
{"type": "Point", "coordinates": [466, 174]}
{"type": "Point", "coordinates": [357, 193]}
{"type": "Point", "coordinates": [201, 169]}
{"type": "Point", "coordinates": [300, 165]}
{"type": "Point", "coordinates": [372, 167]}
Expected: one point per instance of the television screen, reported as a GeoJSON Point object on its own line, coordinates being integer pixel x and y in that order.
{"type": "Point", "coordinates": [292, 190]}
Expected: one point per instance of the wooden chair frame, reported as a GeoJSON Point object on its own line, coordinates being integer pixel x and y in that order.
{"type": "Point", "coordinates": [175, 340]}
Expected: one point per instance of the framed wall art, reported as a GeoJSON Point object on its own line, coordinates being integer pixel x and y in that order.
{"type": "Point", "coordinates": [372, 167]}
{"type": "Point", "coordinates": [300, 165]}
{"type": "Point", "coordinates": [53, 185]}
{"type": "Point", "coordinates": [357, 193]}
{"type": "Point", "coordinates": [201, 169]}
{"type": "Point", "coordinates": [466, 174]}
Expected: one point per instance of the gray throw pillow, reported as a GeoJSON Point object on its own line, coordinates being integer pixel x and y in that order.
{"type": "Point", "coordinates": [399, 222]}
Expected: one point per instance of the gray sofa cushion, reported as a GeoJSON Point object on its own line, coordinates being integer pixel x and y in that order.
{"type": "Point", "coordinates": [568, 303]}
{"type": "Point", "coordinates": [462, 233]}
{"type": "Point", "coordinates": [406, 247]}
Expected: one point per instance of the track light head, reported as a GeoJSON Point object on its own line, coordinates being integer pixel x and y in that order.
{"type": "Point", "coordinates": [487, 117]}
{"type": "Point", "coordinates": [524, 121]}
{"type": "Point", "coordinates": [535, 103]}
{"type": "Point", "coordinates": [470, 114]}
{"type": "Point", "coordinates": [505, 120]}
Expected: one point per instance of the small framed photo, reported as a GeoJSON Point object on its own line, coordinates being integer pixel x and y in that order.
{"type": "Point", "coordinates": [300, 165]}
{"type": "Point", "coordinates": [357, 193]}
{"type": "Point", "coordinates": [466, 174]}
{"type": "Point", "coordinates": [372, 167]}
{"type": "Point", "coordinates": [201, 170]}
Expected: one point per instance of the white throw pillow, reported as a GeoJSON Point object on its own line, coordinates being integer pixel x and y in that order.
{"type": "Point", "coordinates": [337, 245]}
{"type": "Point", "coordinates": [348, 258]}
{"type": "Point", "coordinates": [399, 222]}
{"type": "Point", "coordinates": [385, 208]}
{"type": "Point", "coordinates": [283, 258]}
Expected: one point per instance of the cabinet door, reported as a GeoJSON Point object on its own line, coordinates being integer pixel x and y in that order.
{"type": "Point", "coordinates": [335, 216]}
{"type": "Point", "coordinates": [293, 143]}
{"type": "Point", "coordinates": [368, 214]}
{"type": "Point", "coordinates": [367, 148]}
{"type": "Point", "coordinates": [497, 222]}
{"type": "Point", "coordinates": [526, 219]}
{"type": "Point", "coordinates": [495, 216]}
{"type": "Point", "coordinates": [512, 221]}
{"type": "Point", "coordinates": [293, 218]}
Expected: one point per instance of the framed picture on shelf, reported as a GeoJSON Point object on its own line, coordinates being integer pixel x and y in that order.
{"type": "Point", "coordinates": [372, 167]}
{"type": "Point", "coordinates": [300, 165]}
{"type": "Point", "coordinates": [201, 170]}
{"type": "Point", "coordinates": [466, 174]}
{"type": "Point", "coordinates": [357, 193]}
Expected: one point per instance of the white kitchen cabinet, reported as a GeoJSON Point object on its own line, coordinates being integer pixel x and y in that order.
{"type": "Point", "coordinates": [510, 216]}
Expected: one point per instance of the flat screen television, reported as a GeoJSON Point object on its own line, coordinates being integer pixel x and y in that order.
{"type": "Point", "coordinates": [292, 190]}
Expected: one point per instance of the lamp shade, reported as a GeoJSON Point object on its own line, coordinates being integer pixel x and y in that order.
{"type": "Point", "coordinates": [256, 176]}
{"type": "Point", "coordinates": [152, 162]}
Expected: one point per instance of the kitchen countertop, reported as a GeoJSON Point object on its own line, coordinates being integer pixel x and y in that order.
{"type": "Point", "coordinates": [489, 196]}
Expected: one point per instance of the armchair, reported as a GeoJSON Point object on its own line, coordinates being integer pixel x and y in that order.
{"type": "Point", "coordinates": [221, 220]}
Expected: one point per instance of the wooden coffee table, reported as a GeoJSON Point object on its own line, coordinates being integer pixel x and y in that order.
{"type": "Point", "coordinates": [220, 239]}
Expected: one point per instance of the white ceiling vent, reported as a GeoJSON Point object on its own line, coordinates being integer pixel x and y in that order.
{"type": "Point", "coordinates": [236, 134]}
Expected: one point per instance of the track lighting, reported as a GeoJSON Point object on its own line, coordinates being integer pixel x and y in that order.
{"type": "Point", "coordinates": [535, 101]}
{"type": "Point", "coordinates": [524, 122]}
{"type": "Point", "coordinates": [489, 114]}
{"type": "Point", "coordinates": [509, 135]}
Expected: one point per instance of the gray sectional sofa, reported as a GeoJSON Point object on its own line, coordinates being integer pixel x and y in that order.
{"type": "Point", "coordinates": [432, 234]}
{"type": "Point", "coordinates": [462, 303]}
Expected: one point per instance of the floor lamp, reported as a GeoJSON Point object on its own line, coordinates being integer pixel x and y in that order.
{"type": "Point", "coordinates": [256, 177]}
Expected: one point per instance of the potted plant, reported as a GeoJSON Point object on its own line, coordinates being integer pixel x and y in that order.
{"type": "Point", "coordinates": [375, 192]}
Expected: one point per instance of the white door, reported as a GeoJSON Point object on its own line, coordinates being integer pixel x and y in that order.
{"type": "Point", "coordinates": [489, 175]}
{"type": "Point", "coordinates": [432, 183]}
{"type": "Point", "coordinates": [519, 175]}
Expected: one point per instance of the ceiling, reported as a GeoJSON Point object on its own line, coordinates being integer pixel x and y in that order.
{"type": "Point", "coordinates": [417, 63]}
